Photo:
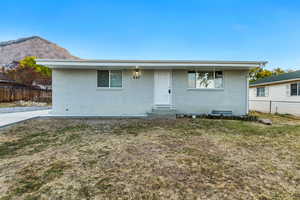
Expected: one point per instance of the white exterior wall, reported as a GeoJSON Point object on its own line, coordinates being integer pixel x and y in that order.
{"type": "Point", "coordinates": [232, 97]}
{"type": "Point", "coordinates": [75, 92]}
{"type": "Point", "coordinates": [275, 93]}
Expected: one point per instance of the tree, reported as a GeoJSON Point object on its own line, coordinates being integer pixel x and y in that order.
{"type": "Point", "coordinates": [28, 72]}
{"type": "Point", "coordinates": [278, 71]}
{"type": "Point", "coordinates": [259, 73]}
{"type": "Point", "coordinates": [30, 62]}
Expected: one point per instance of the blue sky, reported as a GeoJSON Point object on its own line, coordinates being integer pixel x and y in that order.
{"type": "Point", "coordinates": [162, 29]}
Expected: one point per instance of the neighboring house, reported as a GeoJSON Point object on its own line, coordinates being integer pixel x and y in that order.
{"type": "Point", "coordinates": [141, 87]}
{"type": "Point", "coordinates": [43, 84]}
{"type": "Point", "coordinates": [276, 94]}
{"type": "Point", "coordinates": [5, 81]}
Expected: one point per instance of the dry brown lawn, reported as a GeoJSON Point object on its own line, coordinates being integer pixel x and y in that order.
{"type": "Point", "coordinates": [150, 159]}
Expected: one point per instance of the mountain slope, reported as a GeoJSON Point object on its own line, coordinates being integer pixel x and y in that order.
{"type": "Point", "coordinates": [15, 50]}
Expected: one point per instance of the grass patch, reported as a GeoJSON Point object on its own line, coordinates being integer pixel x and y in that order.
{"type": "Point", "coordinates": [32, 179]}
{"type": "Point", "coordinates": [34, 142]}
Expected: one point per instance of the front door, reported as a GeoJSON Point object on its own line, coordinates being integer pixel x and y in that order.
{"type": "Point", "coordinates": [162, 87]}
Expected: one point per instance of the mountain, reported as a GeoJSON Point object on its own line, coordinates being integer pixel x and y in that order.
{"type": "Point", "coordinates": [15, 50]}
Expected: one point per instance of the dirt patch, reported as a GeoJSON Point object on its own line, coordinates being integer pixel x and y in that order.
{"type": "Point", "coordinates": [279, 119]}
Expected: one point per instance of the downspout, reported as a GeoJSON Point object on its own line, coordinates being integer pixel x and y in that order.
{"type": "Point", "coordinates": [247, 93]}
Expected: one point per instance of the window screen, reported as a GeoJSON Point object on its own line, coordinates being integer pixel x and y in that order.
{"type": "Point", "coordinates": [192, 79]}
{"type": "Point", "coordinates": [103, 78]}
{"type": "Point", "coordinates": [116, 78]}
{"type": "Point", "coordinates": [109, 78]}
{"type": "Point", "coordinates": [219, 79]}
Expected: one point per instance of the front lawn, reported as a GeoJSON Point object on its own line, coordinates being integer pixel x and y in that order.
{"type": "Point", "coordinates": [150, 159]}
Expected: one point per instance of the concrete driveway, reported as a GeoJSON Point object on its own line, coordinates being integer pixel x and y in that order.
{"type": "Point", "coordinates": [7, 119]}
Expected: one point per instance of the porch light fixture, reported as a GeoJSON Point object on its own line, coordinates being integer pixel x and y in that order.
{"type": "Point", "coordinates": [136, 73]}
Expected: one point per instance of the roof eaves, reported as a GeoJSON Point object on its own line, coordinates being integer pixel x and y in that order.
{"type": "Point", "coordinates": [153, 61]}
{"type": "Point", "coordinates": [282, 77]}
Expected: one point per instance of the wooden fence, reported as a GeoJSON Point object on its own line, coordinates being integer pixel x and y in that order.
{"type": "Point", "coordinates": [10, 94]}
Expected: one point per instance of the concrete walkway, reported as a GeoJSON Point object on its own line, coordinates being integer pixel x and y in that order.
{"type": "Point", "coordinates": [23, 109]}
{"type": "Point", "coordinates": [7, 119]}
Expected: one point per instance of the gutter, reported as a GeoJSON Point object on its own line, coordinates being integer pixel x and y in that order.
{"type": "Point", "coordinates": [144, 64]}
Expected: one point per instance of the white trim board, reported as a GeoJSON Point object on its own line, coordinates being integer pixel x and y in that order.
{"type": "Point", "coordinates": [147, 64]}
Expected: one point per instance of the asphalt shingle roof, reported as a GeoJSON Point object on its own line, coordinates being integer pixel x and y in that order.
{"type": "Point", "coordinates": [281, 77]}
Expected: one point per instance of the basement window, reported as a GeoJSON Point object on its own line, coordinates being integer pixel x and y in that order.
{"type": "Point", "coordinates": [109, 78]}
{"type": "Point", "coordinates": [205, 79]}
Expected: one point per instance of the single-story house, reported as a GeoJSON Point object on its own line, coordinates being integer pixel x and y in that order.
{"type": "Point", "coordinates": [276, 94]}
{"type": "Point", "coordinates": [140, 87]}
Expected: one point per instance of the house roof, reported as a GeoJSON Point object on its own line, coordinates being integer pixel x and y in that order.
{"type": "Point", "coordinates": [148, 64]}
{"type": "Point", "coordinates": [278, 79]}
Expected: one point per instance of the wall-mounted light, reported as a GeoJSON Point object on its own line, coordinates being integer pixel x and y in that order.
{"type": "Point", "coordinates": [136, 73]}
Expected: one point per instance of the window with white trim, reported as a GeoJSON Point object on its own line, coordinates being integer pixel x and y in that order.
{"type": "Point", "coordinates": [205, 79]}
{"type": "Point", "coordinates": [295, 89]}
{"type": "Point", "coordinates": [261, 92]}
{"type": "Point", "coordinates": [109, 78]}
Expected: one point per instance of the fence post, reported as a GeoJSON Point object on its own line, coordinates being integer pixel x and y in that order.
{"type": "Point", "coordinates": [270, 106]}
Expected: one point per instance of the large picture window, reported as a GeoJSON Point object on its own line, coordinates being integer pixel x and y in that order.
{"type": "Point", "coordinates": [109, 78]}
{"type": "Point", "coordinates": [295, 89]}
{"type": "Point", "coordinates": [205, 79]}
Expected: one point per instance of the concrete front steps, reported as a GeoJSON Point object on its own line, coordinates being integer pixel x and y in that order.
{"type": "Point", "coordinates": [162, 111]}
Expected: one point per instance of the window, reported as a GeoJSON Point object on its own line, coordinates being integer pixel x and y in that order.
{"type": "Point", "coordinates": [205, 79]}
{"type": "Point", "coordinates": [295, 89]}
{"type": "Point", "coordinates": [261, 92]}
{"type": "Point", "coordinates": [109, 78]}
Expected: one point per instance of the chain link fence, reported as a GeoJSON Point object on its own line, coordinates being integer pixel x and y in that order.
{"type": "Point", "coordinates": [281, 107]}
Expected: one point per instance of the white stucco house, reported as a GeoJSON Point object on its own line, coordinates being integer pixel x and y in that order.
{"type": "Point", "coordinates": [141, 87]}
{"type": "Point", "coordinates": [276, 94]}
